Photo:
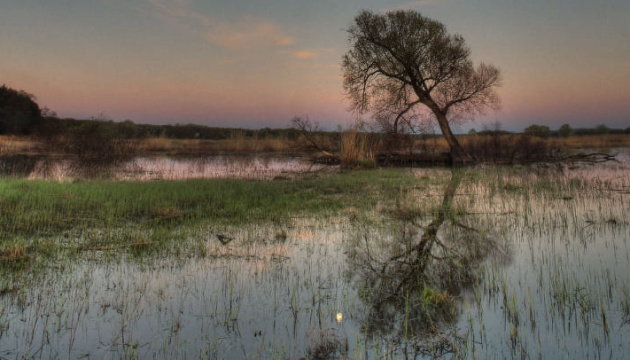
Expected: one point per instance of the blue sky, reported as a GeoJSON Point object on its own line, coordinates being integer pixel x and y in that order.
{"type": "Point", "coordinates": [259, 63]}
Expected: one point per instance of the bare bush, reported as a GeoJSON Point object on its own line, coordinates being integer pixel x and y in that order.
{"type": "Point", "coordinates": [94, 149]}
{"type": "Point", "coordinates": [508, 148]}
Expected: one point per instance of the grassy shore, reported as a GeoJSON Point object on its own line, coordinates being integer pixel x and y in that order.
{"type": "Point", "coordinates": [43, 215]}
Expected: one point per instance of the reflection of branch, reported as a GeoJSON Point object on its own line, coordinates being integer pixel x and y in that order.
{"type": "Point", "coordinates": [399, 256]}
{"type": "Point", "coordinates": [466, 227]}
{"type": "Point", "coordinates": [370, 258]}
{"type": "Point", "coordinates": [590, 158]}
{"type": "Point", "coordinates": [429, 272]}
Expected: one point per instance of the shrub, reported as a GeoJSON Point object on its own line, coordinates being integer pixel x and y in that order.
{"type": "Point", "coordinates": [508, 148]}
{"type": "Point", "coordinates": [18, 111]}
{"type": "Point", "coordinates": [541, 131]}
{"type": "Point", "coordinates": [94, 147]}
{"type": "Point", "coordinates": [565, 131]}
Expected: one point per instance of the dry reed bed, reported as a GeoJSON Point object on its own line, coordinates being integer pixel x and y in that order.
{"type": "Point", "coordinates": [353, 145]}
{"type": "Point", "coordinates": [10, 145]}
{"type": "Point", "coordinates": [607, 141]}
{"type": "Point", "coordinates": [210, 147]}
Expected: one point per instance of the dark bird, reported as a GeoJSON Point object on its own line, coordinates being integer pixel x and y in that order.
{"type": "Point", "coordinates": [224, 239]}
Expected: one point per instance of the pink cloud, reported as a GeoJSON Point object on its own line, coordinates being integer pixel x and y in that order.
{"type": "Point", "coordinates": [304, 54]}
{"type": "Point", "coordinates": [248, 36]}
{"type": "Point", "coordinates": [248, 33]}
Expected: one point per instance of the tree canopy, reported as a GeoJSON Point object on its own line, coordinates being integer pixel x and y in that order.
{"type": "Point", "coordinates": [18, 111]}
{"type": "Point", "coordinates": [565, 130]}
{"type": "Point", "coordinates": [541, 131]}
{"type": "Point", "coordinates": [403, 66]}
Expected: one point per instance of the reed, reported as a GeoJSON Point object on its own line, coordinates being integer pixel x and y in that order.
{"type": "Point", "coordinates": [356, 149]}
{"type": "Point", "coordinates": [598, 142]}
{"type": "Point", "coordinates": [13, 254]}
{"type": "Point", "coordinates": [237, 144]}
{"type": "Point", "coordinates": [11, 145]}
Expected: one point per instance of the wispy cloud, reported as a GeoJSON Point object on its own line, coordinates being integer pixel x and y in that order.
{"type": "Point", "coordinates": [179, 9]}
{"type": "Point", "coordinates": [247, 33]}
{"type": "Point", "coordinates": [303, 65]}
{"type": "Point", "coordinates": [304, 54]}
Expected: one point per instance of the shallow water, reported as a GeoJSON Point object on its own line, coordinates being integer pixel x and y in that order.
{"type": "Point", "coordinates": [259, 167]}
{"type": "Point", "coordinates": [533, 271]}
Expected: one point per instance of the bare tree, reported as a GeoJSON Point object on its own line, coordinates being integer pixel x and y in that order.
{"type": "Point", "coordinates": [309, 130]}
{"type": "Point", "coordinates": [402, 60]}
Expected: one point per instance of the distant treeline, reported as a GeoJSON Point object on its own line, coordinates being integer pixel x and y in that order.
{"type": "Point", "coordinates": [21, 115]}
{"type": "Point", "coordinates": [544, 131]}
{"type": "Point", "coordinates": [129, 130]}
{"type": "Point", "coordinates": [595, 131]}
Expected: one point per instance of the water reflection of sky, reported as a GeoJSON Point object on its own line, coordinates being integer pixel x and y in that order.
{"type": "Point", "coordinates": [211, 167]}
{"type": "Point", "coordinates": [243, 299]}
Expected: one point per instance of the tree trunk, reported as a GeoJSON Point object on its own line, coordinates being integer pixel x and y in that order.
{"type": "Point", "coordinates": [445, 211]}
{"type": "Point", "coordinates": [458, 155]}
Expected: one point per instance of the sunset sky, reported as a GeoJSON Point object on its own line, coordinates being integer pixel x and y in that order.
{"type": "Point", "coordinates": [260, 63]}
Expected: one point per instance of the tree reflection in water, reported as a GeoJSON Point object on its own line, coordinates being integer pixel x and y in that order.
{"type": "Point", "coordinates": [413, 283]}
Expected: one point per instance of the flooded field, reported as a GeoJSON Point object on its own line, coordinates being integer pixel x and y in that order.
{"type": "Point", "coordinates": [166, 168]}
{"type": "Point", "coordinates": [484, 263]}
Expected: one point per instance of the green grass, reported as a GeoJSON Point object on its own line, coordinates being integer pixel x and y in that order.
{"type": "Point", "coordinates": [41, 207]}
{"type": "Point", "coordinates": [101, 213]}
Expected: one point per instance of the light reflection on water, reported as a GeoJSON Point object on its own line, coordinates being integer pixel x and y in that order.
{"type": "Point", "coordinates": [247, 167]}
{"type": "Point", "coordinates": [560, 289]}
{"type": "Point", "coordinates": [167, 168]}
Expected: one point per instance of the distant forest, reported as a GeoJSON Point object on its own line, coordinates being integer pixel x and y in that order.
{"type": "Point", "coordinates": [129, 130]}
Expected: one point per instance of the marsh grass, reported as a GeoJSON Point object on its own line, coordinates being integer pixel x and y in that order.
{"type": "Point", "coordinates": [514, 148]}
{"type": "Point", "coordinates": [357, 149]}
{"type": "Point", "coordinates": [326, 344]}
{"type": "Point", "coordinates": [11, 145]}
{"type": "Point", "coordinates": [237, 144]}
{"type": "Point", "coordinates": [109, 215]}
{"type": "Point", "coordinates": [18, 166]}
{"type": "Point", "coordinates": [520, 148]}
{"type": "Point", "coordinates": [13, 255]}
{"type": "Point", "coordinates": [600, 142]}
